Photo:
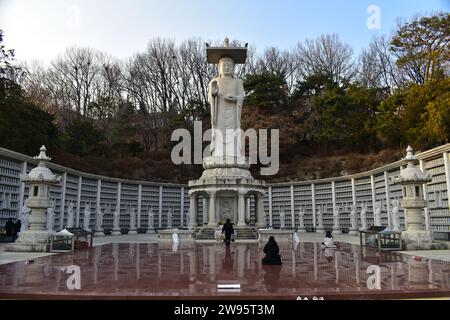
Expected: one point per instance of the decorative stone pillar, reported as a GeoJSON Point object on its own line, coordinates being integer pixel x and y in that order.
{"type": "Point", "coordinates": [411, 179]}
{"type": "Point", "coordinates": [212, 210]}
{"type": "Point", "coordinates": [192, 211]}
{"type": "Point", "coordinates": [241, 209]}
{"type": "Point", "coordinates": [260, 214]}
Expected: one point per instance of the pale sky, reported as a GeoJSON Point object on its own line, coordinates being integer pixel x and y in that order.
{"type": "Point", "coordinates": [41, 29]}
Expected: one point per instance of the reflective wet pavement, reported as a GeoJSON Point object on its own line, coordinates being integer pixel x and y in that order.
{"type": "Point", "coordinates": [150, 270]}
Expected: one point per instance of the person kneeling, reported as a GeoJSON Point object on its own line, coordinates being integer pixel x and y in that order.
{"type": "Point", "coordinates": [272, 251]}
{"type": "Point", "coordinates": [328, 241]}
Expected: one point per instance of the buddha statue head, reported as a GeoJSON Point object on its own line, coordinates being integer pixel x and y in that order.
{"type": "Point", "coordinates": [226, 67]}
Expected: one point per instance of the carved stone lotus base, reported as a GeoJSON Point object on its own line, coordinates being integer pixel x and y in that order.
{"type": "Point", "coordinates": [99, 233]}
{"type": "Point", "coordinates": [421, 240]}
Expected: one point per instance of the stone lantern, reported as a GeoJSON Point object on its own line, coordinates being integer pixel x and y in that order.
{"type": "Point", "coordinates": [412, 180]}
{"type": "Point", "coordinates": [39, 180]}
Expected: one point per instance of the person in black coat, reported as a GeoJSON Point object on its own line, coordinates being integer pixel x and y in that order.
{"type": "Point", "coordinates": [272, 252]}
{"type": "Point", "coordinates": [228, 230]}
{"type": "Point", "coordinates": [17, 227]}
{"type": "Point", "coordinates": [9, 228]}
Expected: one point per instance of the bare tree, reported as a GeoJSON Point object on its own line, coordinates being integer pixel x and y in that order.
{"type": "Point", "coordinates": [328, 55]}
{"type": "Point", "coordinates": [377, 68]}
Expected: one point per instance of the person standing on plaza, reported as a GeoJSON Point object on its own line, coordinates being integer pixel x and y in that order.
{"type": "Point", "coordinates": [9, 228]}
{"type": "Point", "coordinates": [228, 230]}
{"type": "Point", "coordinates": [16, 229]}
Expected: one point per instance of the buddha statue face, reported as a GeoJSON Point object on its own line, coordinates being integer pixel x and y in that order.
{"type": "Point", "coordinates": [226, 67]}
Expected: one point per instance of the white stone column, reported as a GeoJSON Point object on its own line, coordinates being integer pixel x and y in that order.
{"type": "Point", "coordinates": [260, 216]}
{"type": "Point", "coordinates": [313, 201]}
{"type": "Point", "coordinates": [78, 201]}
{"type": "Point", "coordinates": [63, 199]}
{"type": "Point", "coordinates": [425, 196]}
{"type": "Point", "coordinates": [160, 207]}
{"type": "Point", "coordinates": [336, 226]}
{"type": "Point", "coordinates": [98, 208]}
{"type": "Point", "coordinates": [139, 206]}
{"type": "Point", "coordinates": [119, 195]}
{"type": "Point", "coordinates": [354, 191]}
{"type": "Point", "coordinates": [182, 207]}
{"type": "Point", "coordinates": [212, 210]}
{"type": "Point", "coordinates": [388, 205]}
{"type": "Point", "coordinates": [22, 192]}
{"type": "Point", "coordinates": [98, 194]}
{"type": "Point", "coordinates": [241, 209]}
{"type": "Point", "coordinates": [270, 207]}
{"type": "Point", "coordinates": [374, 196]}
{"type": "Point", "coordinates": [192, 211]}
{"type": "Point", "coordinates": [292, 208]}
{"type": "Point", "coordinates": [447, 174]}
{"type": "Point", "coordinates": [354, 219]}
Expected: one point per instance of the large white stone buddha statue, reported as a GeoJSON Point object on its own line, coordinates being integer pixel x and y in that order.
{"type": "Point", "coordinates": [226, 96]}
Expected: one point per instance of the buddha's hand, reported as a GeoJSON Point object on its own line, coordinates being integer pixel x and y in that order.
{"type": "Point", "coordinates": [231, 98]}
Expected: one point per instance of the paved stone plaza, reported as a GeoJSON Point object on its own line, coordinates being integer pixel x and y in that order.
{"type": "Point", "coordinates": [137, 266]}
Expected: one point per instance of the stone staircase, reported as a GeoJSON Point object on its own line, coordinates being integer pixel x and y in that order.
{"type": "Point", "coordinates": [242, 233]}
{"type": "Point", "coordinates": [205, 234]}
{"type": "Point", "coordinates": [246, 233]}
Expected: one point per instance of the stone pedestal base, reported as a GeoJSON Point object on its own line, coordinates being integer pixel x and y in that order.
{"type": "Point", "coordinates": [420, 240]}
{"type": "Point", "coordinates": [320, 230]}
{"type": "Point", "coordinates": [302, 230]}
{"type": "Point", "coordinates": [337, 231]}
{"type": "Point", "coordinates": [99, 233]}
{"type": "Point", "coordinates": [183, 235]}
{"type": "Point", "coordinates": [353, 232]}
{"type": "Point", "coordinates": [279, 235]}
{"type": "Point", "coordinates": [31, 241]}
{"type": "Point", "coordinates": [151, 231]}
{"type": "Point", "coordinates": [116, 233]}
{"type": "Point", "coordinates": [132, 231]}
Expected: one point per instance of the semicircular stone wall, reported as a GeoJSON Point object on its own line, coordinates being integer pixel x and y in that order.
{"type": "Point", "coordinates": [332, 194]}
